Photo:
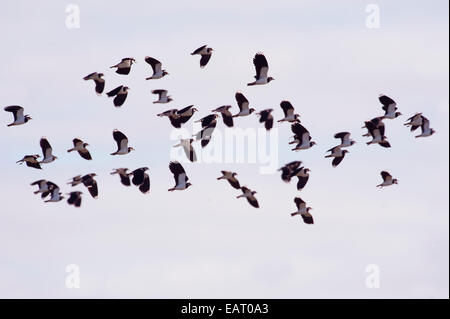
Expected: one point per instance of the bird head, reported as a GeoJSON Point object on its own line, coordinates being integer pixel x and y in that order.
{"type": "Point", "coordinates": [126, 88]}
{"type": "Point", "coordinates": [270, 79]}
{"type": "Point", "coordinates": [100, 75]}
{"type": "Point", "coordinates": [308, 209]}
{"type": "Point", "coordinates": [432, 131]}
{"type": "Point", "coordinates": [395, 181]}
{"type": "Point", "coordinates": [194, 110]}
{"type": "Point", "coordinates": [164, 72]}
{"type": "Point", "coordinates": [397, 114]}
{"type": "Point", "coordinates": [234, 174]}
{"type": "Point", "coordinates": [306, 170]}
{"type": "Point", "coordinates": [169, 99]}
{"type": "Point", "coordinates": [188, 184]}
{"type": "Point", "coordinates": [145, 168]}
{"type": "Point", "coordinates": [352, 142]}
{"type": "Point", "coordinates": [313, 143]}
{"type": "Point", "coordinates": [130, 149]}
{"type": "Point", "coordinates": [209, 50]}
{"type": "Point", "coordinates": [252, 110]}
{"type": "Point", "coordinates": [85, 144]}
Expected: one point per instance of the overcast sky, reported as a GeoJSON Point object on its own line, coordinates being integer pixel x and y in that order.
{"type": "Point", "coordinates": [203, 242]}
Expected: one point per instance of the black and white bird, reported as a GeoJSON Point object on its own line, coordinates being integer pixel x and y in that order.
{"type": "Point", "coordinates": [266, 117]}
{"type": "Point", "coordinates": [303, 211]}
{"type": "Point", "coordinates": [141, 179]}
{"type": "Point", "coordinates": [250, 196]}
{"type": "Point", "coordinates": [162, 96]}
{"type": "Point", "coordinates": [345, 139]}
{"type": "Point", "coordinates": [387, 180]}
{"type": "Point", "coordinates": [158, 72]}
{"type": "Point", "coordinates": [124, 66]}
{"type": "Point", "coordinates": [289, 115]}
{"type": "Point", "coordinates": [46, 151]}
{"type": "Point", "coordinates": [88, 181]}
{"type": "Point", "coordinates": [55, 194]}
{"type": "Point", "coordinates": [74, 198]}
{"type": "Point", "coordinates": [389, 107]}
{"type": "Point", "coordinates": [243, 105]}
{"type": "Point", "coordinates": [120, 93]}
{"type": "Point", "coordinates": [98, 80]}
{"type": "Point", "coordinates": [208, 125]}
{"type": "Point", "coordinates": [338, 154]}
{"type": "Point", "coordinates": [43, 187]}
{"type": "Point", "coordinates": [179, 117]}
{"type": "Point", "coordinates": [180, 177]}
{"type": "Point", "coordinates": [302, 137]}
{"type": "Point", "coordinates": [19, 117]}
{"type": "Point", "coordinates": [231, 178]}
{"type": "Point", "coordinates": [124, 176]}
{"type": "Point", "coordinates": [80, 147]}
{"type": "Point", "coordinates": [376, 129]}
{"type": "Point", "coordinates": [302, 174]}
{"type": "Point", "coordinates": [414, 121]}
{"type": "Point", "coordinates": [262, 68]}
{"type": "Point", "coordinates": [226, 114]}
{"type": "Point", "coordinates": [31, 161]}
{"type": "Point", "coordinates": [122, 143]}
{"type": "Point", "coordinates": [188, 148]}
{"type": "Point", "coordinates": [425, 127]}
{"type": "Point", "coordinates": [206, 53]}
{"type": "Point", "coordinates": [288, 169]}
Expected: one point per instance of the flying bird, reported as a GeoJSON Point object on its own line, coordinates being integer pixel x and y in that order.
{"type": "Point", "coordinates": [46, 151]}
{"type": "Point", "coordinates": [261, 67]}
{"type": "Point", "coordinates": [266, 117]}
{"type": "Point", "coordinates": [227, 117]}
{"type": "Point", "coordinates": [179, 117]}
{"type": "Point", "coordinates": [376, 129]}
{"type": "Point", "coordinates": [43, 187]}
{"type": "Point", "coordinates": [302, 137]}
{"type": "Point", "coordinates": [124, 66]}
{"type": "Point", "coordinates": [120, 93]}
{"type": "Point", "coordinates": [188, 149]}
{"type": "Point", "coordinates": [243, 105]}
{"type": "Point", "coordinates": [124, 176]}
{"type": "Point", "coordinates": [55, 194]}
{"type": "Point", "coordinates": [74, 198]}
{"type": "Point", "coordinates": [162, 96]}
{"type": "Point", "coordinates": [288, 110]}
{"type": "Point", "coordinates": [425, 127]}
{"type": "Point", "coordinates": [231, 178]}
{"type": "Point", "coordinates": [250, 196]}
{"type": "Point", "coordinates": [303, 211]}
{"type": "Point", "coordinates": [88, 181]}
{"type": "Point", "coordinates": [414, 121]}
{"type": "Point", "coordinates": [180, 177]}
{"type": "Point", "coordinates": [345, 139]}
{"type": "Point", "coordinates": [17, 112]}
{"type": "Point", "coordinates": [98, 80]}
{"type": "Point", "coordinates": [389, 107]}
{"type": "Point", "coordinates": [141, 179]}
{"type": "Point", "coordinates": [302, 174]}
{"type": "Point", "coordinates": [338, 154]}
{"type": "Point", "coordinates": [31, 161]}
{"type": "Point", "coordinates": [157, 68]}
{"type": "Point", "coordinates": [206, 53]}
{"type": "Point", "coordinates": [387, 180]}
{"type": "Point", "coordinates": [205, 134]}
{"type": "Point", "coordinates": [288, 169]}
{"type": "Point", "coordinates": [80, 147]}
{"type": "Point", "coordinates": [122, 143]}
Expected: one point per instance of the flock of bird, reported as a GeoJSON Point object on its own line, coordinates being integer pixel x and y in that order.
{"type": "Point", "coordinates": [302, 139]}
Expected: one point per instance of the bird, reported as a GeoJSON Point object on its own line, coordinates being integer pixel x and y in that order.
{"type": "Point", "coordinates": [17, 112]}
{"type": "Point", "coordinates": [120, 93]}
{"type": "Point", "coordinates": [122, 143]}
{"type": "Point", "coordinates": [180, 177]}
{"type": "Point", "coordinates": [376, 129]}
{"type": "Point", "coordinates": [43, 187]}
{"type": "Point", "coordinates": [387, 180]}
{"type": "Point", "coordinates": [31, 161]}
{"type": "Point", "coordinates": [46, 151]}
{"type": "Point", "coordinates": [99, 82]}
{"type": "Point", "coordinates": [302, 137]}
{"type": "Point", "coordinates": [266, 118]}
{"type": "Point", "coordinates": [74, 198]}
{"type": "Point", "coordinates": [288, 110]}
{"type": "Point", "coordinates": [141, 179]}
{"type": "Point", "coordinates": [425, 127]}
{"type": "Point", "coordinates": [162, 96]}
{"type": "Point", "coordinates": [250, 196]}
{"type": "Point", "coordinates": [179, 117]}
{"type": "Point", "coordinates": [157, 68]}
{"type": "Point", "coordinates": [227, 117]}
{"type": "Point", "coordinates": [205, 134]}
{"type": "Point", "coordinates": [302, 174]}
{"type": "Point", "coordinates": [124, 66]}
{"type": "Point", "coordinates": [188, 149]}
{"type": "Point", "coordinates": [345, 139]}
{"type": "Point", "coordinates": [55, 194]}
{"type": "Point", "coordinates": [80, 147]}
{"type": "Point", "coordinates": [243, 105]}
{"type": "Point", "coordinates": [124, 176]}
{"type": "Point", "coordinates": [205, 52]}
{"type": "Point", "coordinates": [231, 178]}
{"type": "Point", "coordinates": [414, 121]}
{"type": "Point", "coordinates": [287, 170]}
{"type": "Point", "coordinates": [389, 107]}
{"type": "Point", "coordinates": [338, 154]}
{"type": "Point", "coordinates": [261, 67]}
{"type": "Point", "coordinates": [88, 181]}
{"type": "Point", "coordinates": [303, 211]}
{"type": "Point", "coordinates": [208, 120]}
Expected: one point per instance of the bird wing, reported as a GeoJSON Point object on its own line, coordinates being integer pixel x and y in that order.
{"type": "Point", "coordinates": [121, 140]}
{"type": "Point", "coordinates": [253, 201]}
{"type": "Point", "coordinates": [385, 175]}
{"type": "Point", "coordinates": [298, 129]}
{"type": "Point", "coordinates": [145, 186]}
{"type": "Point", "coordinates": [161, 93]}
{"type": "Point", "coordinates": [227, 119]}
{"type": "Point", "coordinates": [199, 49]}
{"type": "Point", "coordinates": [425, 124]}
{"type": "Point", "coordinates": [299, 202]}
{"type": "Point", "coordinates": [342, 135]}
{"type": "Point", "coordinates": [138, 176]}
{"type": "Point", "coordinates": [287, 107]}
{"type": "Point", "coordinates": [85, 154]}
{"type": "Point", "coordinates": [46, 148]}
{"type": "Point", "coordinates": [177, 170]}
{"type": "Point", "coordinates": [115, 91]}
{"type": "Point", "coordinates": [16, 110]}
{"type": "Point", "coordinates": [190, 152]}
{"type": "Point", "coordinates": [302, 180]}
{"type": "Point", "coordinates": [99, 86]}
{"type": "Point", "coordinates": [241, 101]}
{"type": "Point", "coordinates": [184, 110]}
{"type": "Point", "coordinates": [269, 122]}
{"type": "Point", "coordinates": [204, 60]}
{"type": "Point", "coordinates": [156, 65]}
{"type": "Point", "coordinates": [337, 160]}
{"type": "Point", "coordinates": [93, 189]}
{"type": "Point", "coordinates": [386, 101]}
{"type": "Point", "coordinates": [307, 218]}
{"type": "Point", "coordinates": [261, 66]}
{"type": "Point", "coordinates": [77, 142]}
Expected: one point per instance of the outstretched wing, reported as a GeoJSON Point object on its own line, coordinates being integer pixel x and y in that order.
{"type": "Point", "coordinates": [241, 101]}
{"type": "Point", "coordinates": [121, 139]}
{"type": "Point", "coordinates": [261, 66]}
{"type": "Point", "coordinates": [115, 91]}
{"type": "Point", "coordinates": [287, 107]}
{"type": "Point", "coordinates": [156, 65]}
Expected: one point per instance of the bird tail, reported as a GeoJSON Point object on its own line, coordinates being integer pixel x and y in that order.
{"type": "Point", "coordinates": [221, 177]}
{"type": "Point", "coordinates": [35, 192]}
{"type": "Point", "coordinates": [293, 214]}
{"type": "Point", "coordinates": [70, 150]}
{"type": "Point", "coordinates": [282, 120]}
{"type": "Point", "coordinates": [12, 124]}
{"type": "Point", "coordinates": [328, 156]}
{"type": "Point", "coordinates": [149, 78]}
{"type": "Point", "coordinates": [171, 189]}
{"type": "Point", "coordinates": [250, 84]}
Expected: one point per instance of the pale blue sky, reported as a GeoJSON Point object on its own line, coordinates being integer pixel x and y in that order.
{"type": "Point", "coordinates": [203, 242]}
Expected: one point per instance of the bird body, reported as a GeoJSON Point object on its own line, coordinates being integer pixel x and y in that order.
{"type": "Point", "coordinates": [345, 139]}
{"type": "Point", "coordinates": [124, 66]}
{"type": "Point", "coordinates": [46, 151]}
{"type": "Point", "coordinates": [74, 198]}
{"type": "Point", "coordinates": [55, 194]}
{"type": "Point", "coordinates": [19, 117]}
{"type": "Point", "coordinates": [162, 96]}
{"type": "Point", "coordinates": [302, 137]}
{"type": "Point", "coordinates": [31, 161]}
